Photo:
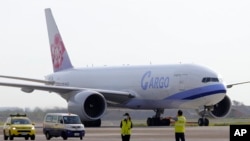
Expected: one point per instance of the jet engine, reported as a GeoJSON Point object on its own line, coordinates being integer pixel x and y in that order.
{"type": "Point", "coordinates": [89, 105]}
{"type": "Point", "coordinates": [219, 110]}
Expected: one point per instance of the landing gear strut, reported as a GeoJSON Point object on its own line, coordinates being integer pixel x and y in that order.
{"type": "Point", "coordinates": [157, 120]}
{"type": "Point", "coordinates": [203, 121]}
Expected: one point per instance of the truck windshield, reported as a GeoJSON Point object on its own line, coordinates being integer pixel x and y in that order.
{"type": "Point", "coordinates": [71, 120]}
{"type": "Point", "coordinates": [20, 121]}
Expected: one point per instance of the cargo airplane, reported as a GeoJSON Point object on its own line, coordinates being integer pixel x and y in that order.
{"type": "Point", "coordinates": [89, 91]}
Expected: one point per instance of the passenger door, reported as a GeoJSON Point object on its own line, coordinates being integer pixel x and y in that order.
{"type": "Point", "coordinates": [54, 130]}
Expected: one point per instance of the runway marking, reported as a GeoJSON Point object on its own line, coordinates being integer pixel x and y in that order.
{"type": "Point", "coordinates": [215, 133]}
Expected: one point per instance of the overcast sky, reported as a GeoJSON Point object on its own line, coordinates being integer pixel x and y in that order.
{"type": "Point", "coordinates": [116, 32]}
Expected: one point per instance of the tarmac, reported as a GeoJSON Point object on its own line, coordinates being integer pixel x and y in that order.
{"type": "Point", "coordinates": [215, 133]}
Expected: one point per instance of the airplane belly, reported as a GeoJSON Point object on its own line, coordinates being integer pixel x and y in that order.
{"type": "Point", "coordinates": [203, 101]}
{"type": "Point", "coordinates": [168, 104]}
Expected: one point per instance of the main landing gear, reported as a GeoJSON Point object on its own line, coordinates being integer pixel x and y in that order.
{"type": "Point", "coordinates": [157, 120]}
{"type": "Point", "coordinates": [203, 121]}
{"type": "Point", "coordinates": [95, 123]}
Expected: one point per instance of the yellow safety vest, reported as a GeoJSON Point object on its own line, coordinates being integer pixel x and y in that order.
{"type": "Point", "coordinates": [126, 127]}
{"type": "Point", "coordinates": [180, 124]}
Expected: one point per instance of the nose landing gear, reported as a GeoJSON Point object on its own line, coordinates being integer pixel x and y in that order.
{"type": "Point", "coordinates": [203, 121]}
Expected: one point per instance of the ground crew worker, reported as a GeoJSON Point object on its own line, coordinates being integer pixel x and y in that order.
{"type": "Point", "coordinates": [126, 126]}
{"type": "Point", "coordinates": [180, 122]}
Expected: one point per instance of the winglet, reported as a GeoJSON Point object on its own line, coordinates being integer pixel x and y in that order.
{"type": "Point", "coordinates": [59, 55]}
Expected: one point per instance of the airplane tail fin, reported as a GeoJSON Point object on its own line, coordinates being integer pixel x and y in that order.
{"type": "Point", "coordinates": [59, 55]}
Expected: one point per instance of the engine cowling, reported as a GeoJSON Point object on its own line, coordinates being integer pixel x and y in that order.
{"type": "Point", "coordinates": [219, 110]}
{"type": "Point", "coordinates": [89, 105]}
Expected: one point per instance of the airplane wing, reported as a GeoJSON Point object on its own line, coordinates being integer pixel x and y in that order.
{"type": "Point", "coordinates": [110, 95]}
{"type": "Point", "coordinates": [231, 85]}
{"type": "Point", "coordinates": [28, 79]}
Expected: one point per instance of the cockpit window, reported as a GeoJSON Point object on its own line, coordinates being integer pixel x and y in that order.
{"type": "Point", "coordinates": [210, 79]}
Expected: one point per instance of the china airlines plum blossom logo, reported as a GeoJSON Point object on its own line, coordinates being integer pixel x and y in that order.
{"type": "Point", "coordinates": [57, 51]}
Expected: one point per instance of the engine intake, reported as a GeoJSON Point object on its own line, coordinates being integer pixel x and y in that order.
{"type": "Point", "coordinates": [219, 110]}
{"type": "Point", "coordinates": [89, 105]}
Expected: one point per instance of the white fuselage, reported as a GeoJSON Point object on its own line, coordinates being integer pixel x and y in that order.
{"type": "Point", "coordinates": [162, 86]}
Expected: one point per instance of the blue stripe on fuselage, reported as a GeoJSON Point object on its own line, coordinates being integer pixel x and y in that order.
{"type": "Point", "coordinates": [198, 92]}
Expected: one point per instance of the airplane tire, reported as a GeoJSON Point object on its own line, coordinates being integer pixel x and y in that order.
{"type": "Point", "coordinates": [200, 122]}
{"type": "Point", "coordinates": [96, 123]}
{"type": "Point", "coordinates": [149, 122]}
{"type": "Point", "coordinates": [158, 122]}
{"type": "Point", "coordinates": [206, 122]}
{"type": "Point", "coordinates": [165, 122]}
{"type": "Point", "coordinates": [203, 122]}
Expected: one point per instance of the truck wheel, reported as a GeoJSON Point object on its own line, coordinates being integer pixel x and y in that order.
{"type": "Point", "coordinates": [64, 136]}
{"type": "Point", "coordinates": [32, 137]}
{"type": "Point", "coordinates": [47, 136]}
